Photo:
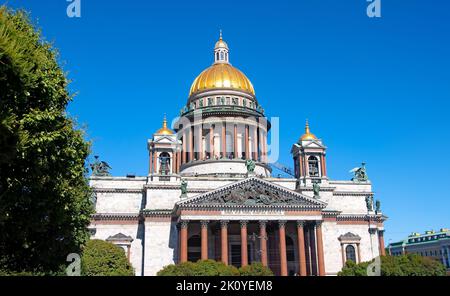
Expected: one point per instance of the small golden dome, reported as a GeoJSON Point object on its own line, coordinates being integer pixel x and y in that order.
{"type": "Point", "coordinates": [164, 130]}
{"type": "Point", "coordinates": [308, 135]}
{"type": "Point", "coordinates": [222, 75]}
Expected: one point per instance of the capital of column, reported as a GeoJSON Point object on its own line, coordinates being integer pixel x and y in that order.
{"type": "Point", "coordinates": [224, 223]}
{"type": "Point", "coordinates": [319, 223]}
{"type": "Point", "coordinates": [381, 231]}
{"type": "Point", "coordinates": [372, 230]}
{"type": "Point", "coordinates": [300, 223]}
{"type": "Point", "coordinates": [184, 223]}
{"type": "Point", "coordinates": [282, 223]}
{"type": "Point", "coordinates": [243, 223]}
{"type": "Point", "coordinates": [204, 223]}
{"type": "Point", "coordinates": [262, 223]}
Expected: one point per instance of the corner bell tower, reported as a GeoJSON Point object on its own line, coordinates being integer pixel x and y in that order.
{"type": "Point", "coordinates": [309, 155]}
{"type": "Point", "coordinates": [164, 154]}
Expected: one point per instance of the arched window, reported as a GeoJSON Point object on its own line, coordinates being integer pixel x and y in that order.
{"type": "Point", "coordinates": [313, 165]}
{"type": "Point", "coordinates": [194, 250]}
{"type": "Point", "coordinates": [164, 163]}
{"type": "Point", "coordinates": [222, 56]}
{"type": "Point", "coordinates": [350, 253]}
{"type": "Point", "coordinates": [217, 56]}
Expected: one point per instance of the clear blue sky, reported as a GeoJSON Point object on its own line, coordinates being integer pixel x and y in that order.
{"type": "Point", "coordinates": [375, 90]}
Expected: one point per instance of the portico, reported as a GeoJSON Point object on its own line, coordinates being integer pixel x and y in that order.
{"type": "Point", "coordinates": [282, 231]}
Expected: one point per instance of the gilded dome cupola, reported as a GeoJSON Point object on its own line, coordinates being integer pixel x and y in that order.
{"type": "Point", "coordinates": [222, 75]}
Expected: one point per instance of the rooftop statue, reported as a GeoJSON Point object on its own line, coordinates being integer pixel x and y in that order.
{"type": "Point", "coordinates": [250, 164]}
{"type": "Point", "coordinates": [183, 188]}
{"type": "Point", "coordinates": [100, 168]}
{"type": "Point", "coordinates": [360, 174]}
{"type": "Point", "coordinates": [369, 203]}
{"type": "Point", "coordinates": [316, 190]}
{"type": "Point", "coordinates": [378, 206]}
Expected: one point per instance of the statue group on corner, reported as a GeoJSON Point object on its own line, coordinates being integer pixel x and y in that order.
{"type": "Point", "coordinates": [360, 174]}
{"type": "Point", "coordinates": [100, 168]}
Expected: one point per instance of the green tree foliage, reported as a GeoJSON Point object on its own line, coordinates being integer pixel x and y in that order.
{"type": "Point", "coordinates": [102, 258]}
{"type": "Point", "coordinates": [44, 194]}
{"type": "Point", "coordinates": [406, 265]}
{"type": "Point", "coordinates": [213, 268]}
{"type": "Point", "coordinates": [255, 269]}
{"type": "Point", "coordinates": [199, 268]}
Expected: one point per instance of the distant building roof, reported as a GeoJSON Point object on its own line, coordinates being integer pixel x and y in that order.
{"type": "Point", "coordinates": [427, 237]}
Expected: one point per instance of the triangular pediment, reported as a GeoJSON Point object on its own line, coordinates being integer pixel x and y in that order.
{"type": "Point", "coordinates": [165, 139]}
{"type": "Point", "coordinates": [313, 144]}
{"type": "Point", "coordinates": [252, 192]}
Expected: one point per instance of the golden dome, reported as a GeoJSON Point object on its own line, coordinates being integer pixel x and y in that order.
{"type": "Point", "coordinates": [164, 130]}
{"type": "Point", "coordinates": [308, 135]}
{"type": "Point", "coordinates": [222, 75]}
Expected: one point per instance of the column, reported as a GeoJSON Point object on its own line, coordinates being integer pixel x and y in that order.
{"type": "Point", "coordinates": [343, 255]}
{"type": "Point", "coordinates": [184, 152]}
{"type": "Point", "coordinates": [301, 248]}
{"type": "Point", "coordinates": [200, 142]}
{"type": "Point", "coordinates": [359, 253]}
{"type": "Point", "coordinates": [381, 242]}
{"type": "Point", "coordinates": [261, 146]}
{"type": "Point", "coordinates": [191, 144]}
{"type": "Point", "coordinates": [320, 256]}
{"type": "Point", "coordinates": [247, 144]}
{"type": "Point", "coordinates": [178, 161]}
{"type": "Point", "coordinates": [155, 162]}
{"type": "Point", "coordinates": [324, 166]}
{"type": "Point", "coordinates": [204, 240]}
{"type": "Point", "coordinates": [224, 241]}
{"type": "Point", "coordinates": [184, 241]}
{"type": "Point", "coordinates": [305, 167]}
{"type": "Point", "coordinates": [129, 253]}
{"type": "Point", "coordinates": [150, 163]}
{"type": "Point", "coordinates": [255, 143]}
{"type": "Point", "coordinates": [263, 242]}
{"type": "Point", "coordinates": [224, 141]}
{"type": "Point", "coordinates": [244, 250]}
{"type": "Point", "coordinates": [235, 139]}
{"type": "Point", "coordinates": [300, 159]}
{"type": "Point", "coordinates": [174, 162]}
{"type": "Point", "coordinates": [283, 256]}
{"type": "Point", "coordinates": [211, 142]}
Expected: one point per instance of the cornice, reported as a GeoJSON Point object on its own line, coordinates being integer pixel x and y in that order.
{"type": "Point", "coordinates": [116, 216]}
{"type": "Point", "coordinates": [117, 190]}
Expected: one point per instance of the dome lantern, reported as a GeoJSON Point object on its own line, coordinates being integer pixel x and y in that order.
{"type": "Point", "coordinates": [221, 51]}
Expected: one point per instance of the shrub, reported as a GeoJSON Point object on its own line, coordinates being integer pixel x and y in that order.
{"type": "Point", "coordinates": [101, 258]}
{"type": "Point", "coordinates": [199, 268]}
{"type": "Point", "coordinates": [406, 265]}
{"type": "Point", "coordinates": [255, 269]}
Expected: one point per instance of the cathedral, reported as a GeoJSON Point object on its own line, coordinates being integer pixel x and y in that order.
{"type": "Point", "coordinates": [210, 192]}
